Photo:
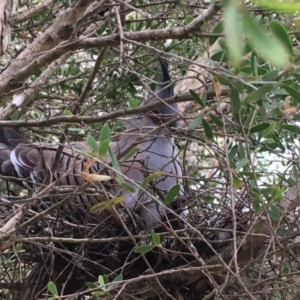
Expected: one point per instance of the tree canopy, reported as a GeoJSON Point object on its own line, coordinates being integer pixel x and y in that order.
{"type": "Point", "coordinates": [76, 70]}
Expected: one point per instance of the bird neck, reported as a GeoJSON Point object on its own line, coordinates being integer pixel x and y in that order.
{"type": "Point", "coordinates": [143, 125]}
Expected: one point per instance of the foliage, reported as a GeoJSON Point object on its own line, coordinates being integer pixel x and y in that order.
{"type": "Point", "coordinates": [235, 230]}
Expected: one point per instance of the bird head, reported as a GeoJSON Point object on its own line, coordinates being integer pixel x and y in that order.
{"type": "Point", "coordinates": [166, 113]}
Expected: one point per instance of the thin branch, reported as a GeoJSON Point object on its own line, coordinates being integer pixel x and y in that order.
{"type": "Point", "coordinates": [27, 14]}
{"type": "Point", "coordinates": [102, 118]}
{"type": "Point", "coordinates": [29, 94]}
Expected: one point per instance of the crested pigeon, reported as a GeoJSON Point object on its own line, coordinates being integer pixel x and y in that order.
{"type": "Point", "coordinates": [156, 152]}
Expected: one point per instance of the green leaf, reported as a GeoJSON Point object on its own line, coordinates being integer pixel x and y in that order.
{"type": "Point", "coordinates": [172, 194]}
{"type": "Point", "coordinates": [271, 76]}
{"type": "Point", "coordinates": [251, 175]}
{"type": "Point", "coordinates": [291, 128]}
{"type": "Point", "coordinates": [232, 28]}
{"type": "Point", "coordinates": [239, 85]}
{"type": "Point", "coordinates": [148, 179]}
{"type": "Point", "coordinates": [277, 194]}
{"type": "Point", "coordinates": [74, 129]}
{"type": "Point", "coordinates": [268, 147]}
{"type": "Point", "coordinates": [295, 171]}
{"type": "Point", "coordinates": [101, 280]}
{"type": "Point", "coordinates": [250, 118]}
{"type": "Point", "coordinates": [105, 133]}
{"type": "Point", "coordinates": [197, 98]}
{"type": "Point", "coordinates": [254, 64]}
{"type": "Point", "coordinates": [242, 163]}
{"type": "Point", "coordinates": [196, 122]}
{"type": "Point", "coordinates": [288, 6]}
{"type": "Point", "coordinates": [235, 101]}
{"type": "Point", "coordinates": [277, 139]}
{"type": "Point", "coordinates": [257, 206]}
{"type": "Point", "coordinates": [116, 165]}
{"type": "Point", "coordinates": [52, 288]}
{"type": "Point", "coordinates": [139, 27]}
{"type": "Point", "coordinates": [92, 143]}
{"type": "Point", "coordinates": [207, 130]}
{"type": "Point", "coordinates": [269, 47]}
{"type": "Point", "coordinates": [155, 238]}
{"type": "Point", "coordinates": [258, 225]}
{"type": "Point", "coordinates": [107, 204]}
{"type": "Point", "coordinates": [188, 19]}
{"type": "Point", "coordinates": [223, 80]}
{"type": "Point", "coordinates": [103, 148]}
{"type": "Point", "coordinates": [279, 31]}
{"type": "Point", "coordinates": [274, 213]}
{"type": "Point", "coordinates": [19, 247]}
{"type": "Point", "coordinates": [118, 278]}
{"type": "Point", "coordinates": [83, 108]}
{"type": "Point", "coordinates": [132, 101]}
{"type": "Point", "coordinates": [204, 98]}
{"type": "Point", "coordinates": [129, 154]}
{"type": "Point", "coordinates": [296, 76]}
{"type": "Point", "coordinates": [263, 112]}
{"type": "Point", "coordinates": [90, 285]}
{"type": "Point", "coordinates": [241, 150]}
{"type": "Point", "coordinates": [258, 94]}
{"type": "Point", "coordinates": [259, 127]}
{"type": "Point", "coordinates": [223, 45]}
{"type": "Point", "coordinates": [144, 248]}
{"type": "Point", "coordinates": [98, 293]}
{"type": "Point", "coordinates": [293, 92]}
{"type": "Point", "coordinates": [105, 278]}
{"type": "Point", "coordinates": [286, 270]}
{"type": "Point", "coordinates": [128, 187]}
{"type": "Point", "coordinates": [115, 283]}
{"type": "Point", "coordinates": [67, 112]}
{"type": "Point", "coordinates": [288, 180]}
{"type": "Point", "coordinates": [216, 120]}
{"type": "Point", "coordinates": [219, 28]}
{"type": "Point", "coordinates": [233, 151]}
{"type": "Point", "coordinates": [268, 130]}
{"type": "Point", "coordinates": [149, 24]}
{"type": "Point", "coordinates": [237, 183]}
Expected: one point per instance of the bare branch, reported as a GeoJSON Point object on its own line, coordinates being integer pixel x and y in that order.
{"type": "Point", "coordinates": [102, 118]}
{"type": "Point", "coordinates": [27, 14]}
{"type": "Point", "coordinates": [5, 27]}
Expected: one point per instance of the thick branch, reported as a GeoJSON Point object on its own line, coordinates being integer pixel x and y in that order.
{"type": "Point", "coordinates": [5, 28]}
{"type": "Point", "coordinates": [28, 95]}
{"type": "Point", "coordinates": [15, 73]}
{"type": "Point", "coordinates": [61, 30]}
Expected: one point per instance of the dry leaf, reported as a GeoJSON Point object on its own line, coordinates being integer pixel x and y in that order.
{"type": "Point", "coordinates": [292, 109]}
{"type": "Point", "coordinates": [94, 177]}
{"type": "Point", "coordinates": [218, 89]}
{"type": "Point", "coordinates": [106, 204]}
{"type": "Point", "coordinates": [89, 163]}
{"type": "Point", "coordinates": [286, 103]}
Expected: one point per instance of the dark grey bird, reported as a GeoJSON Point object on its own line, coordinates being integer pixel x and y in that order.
{"type": "Point", "coordinates": [149, 132]}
